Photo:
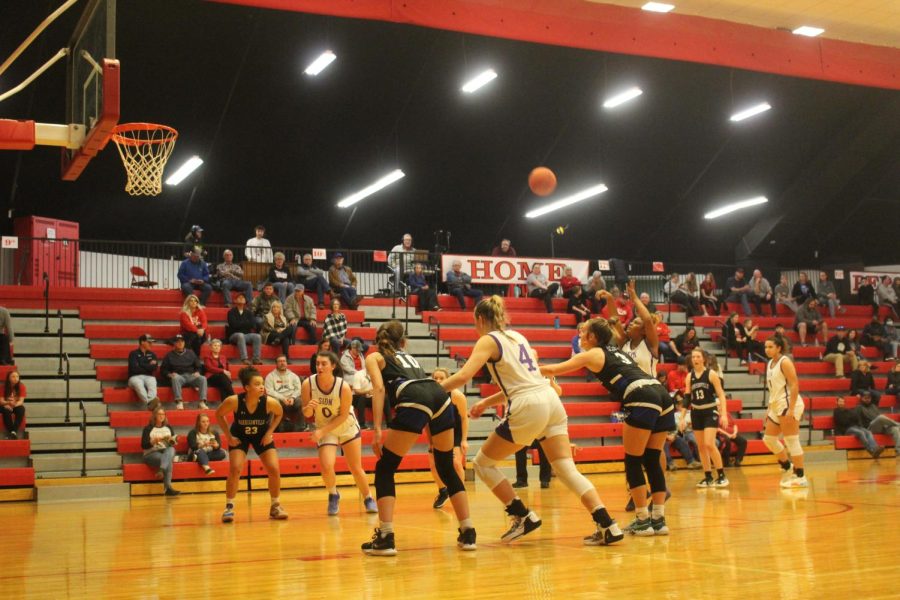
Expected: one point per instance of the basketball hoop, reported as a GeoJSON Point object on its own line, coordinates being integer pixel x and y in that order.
{"type": "Point", "coordinates": [144, 148]}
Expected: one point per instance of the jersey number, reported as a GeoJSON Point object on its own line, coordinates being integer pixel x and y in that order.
{"type": "Point", "coordinates": [624, 358]}
{"type": "Point", "coordinates": [407, 361]}
{"type": "Point", "coordinates": [250, 430]}
{"type": "Point", "coordinates": [699, 394]}
{"type": "Point", "coordinates": [326, 412]}
{"type": "Point", "coordinates": [525, 357]}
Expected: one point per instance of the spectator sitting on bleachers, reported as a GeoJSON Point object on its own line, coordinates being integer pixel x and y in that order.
{"type": "Point", "coordinates": [874, 335]}
{"type": "Point", "coordinates": [142, 365]}
{"type": "Point", "coordinates": [692, 289]}
{"type": "Point", "coordinates": [594, 292]}
{"type": "Point", "coordinates": [194, 241]}
{"type": "Point", "coordinates": [459, 285]}
{"type": "Point", "coordinates": [862, 381]}
{"type": "Point", "coordinates": [708, 295]}
{"type": "Point", "coordinates": [262, 304]}
{"type": "Point", "coordinates": [276, 329]}
{"type": "Point", "coordinates": [846, 422]}
{"type": "Point", "coordinates": [577, 306]}
{"type": "Point", "coordinates": [204, 444]}
{"type": "Point", "coordinates": [893, 380]}
{"type": "Point", "coordinates": [685, 441]}
{"type": "Point", "coordinates": [335, 328]}
{"type": "Point", "coordinates": [353, 365]}
{"type": "Point", "coordinates": [158, 441]}
{"type": "Point", "coordinates": [887, 296]}
{"type": "Point", "coordinates": [738, 290]}
{"type": "Point", "coordinates": [193, 274]}
{"type": "Point", "coordinates": [193, 323]}
{"type": "Point", "coordinates": [568, 282]}
{"type": "Point", "coordinates": [761, 291]}
{"type": "Point", "coordinates": [678, 294]}
{"type": "Point", "coordinates": [300, 311]}
{"type": "Point", "coordinates": [827, 295]}
{"type": "Point", "coordinates": [313, 278]}
{"type": "Point", "coordinates": [897, 286]}
{"type": "Point", "coordinates": [865, 294]}
{"type": "Point", "coordinates": [735, 336]}
{"type": "Point", "coordinates": [504, 249]}
{"type": "Point", "coordinates": [401, 258]}
{"type": "Point", "coordinates": [621, 307]}
{"type": "Point", "coordinates": [284, 385]}
{"type": "Point", "coordinates": [7, 337]}
{"type": "Point", "coordinates": [780, 332]}
{"type": "Point", "coordinates": [280, 278]}
{"type": "Point", "coordinates": [258, 249]}
{"type": "Point", "coordinates": [685, 342]}
{"type": "Point", "coordinates": [808, 320]}
{"type": "Point", "coordinates": [664, 335]}
{"type": "Point", "coordinates": [241, 329]}
{"type": "Point", "coordinates": [891, 339]}
{"type": "Point", "coordinates": [182, 367]}
{"type": "Point", "coordinates": [576, 339]}
{"type": "Point", "coordinates": [874, 421]}
{"type": "Point", "coordinates": [755, 348]}
{"type": "Point", "coordinates": [783, 295]}
{"type": "Point", "coordinates": [728, 440]}
{"type": "Point", "coordinates": [675, 381]}
{"type": "Point", "coordinates": [803, 290]}
{"type": "Point", "coordinates": [418, 285]}
{"type": "Point", "coordinates": [231, 277]}
{"type": "Point", "coordinates": [12, 404]}
{"type": "Point", "coordinates": [539, 287]}
{"type": "Point", "coordinates": [837, 350]}
{"type": "Point", "coordinates": [645, 298]}
{"type": "Point", "coordinates": [218, 375]}
{"type": "Point", "coordinates": [343, 281]}
{"type": "Point", "coordinates": [714, 366]}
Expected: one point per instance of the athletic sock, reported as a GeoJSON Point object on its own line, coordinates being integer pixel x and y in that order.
{"type": "Point", "coordinates": [659, 511]}
{"type": "Point", "coordinates": [332, 490]}
{"type": "Point", "coordinates": [721, 473]}
{"type": "Point", "coordinates": [229, 502]}
{"type": "Point", "coordinates": [641, 512]}
{"type": "Point", "coordinates": [517, 508]}
{"type": "Point", "coordinates": [466, 524]}
{"type": "Point", "coordinates": [386, 527]}
{"type": "Point", "coordinates": [601, 516]}
{"type": "Point", "coordinates": [275, 500]}
{"type": "Point", "coordinates": [708, 475]}
{"type": "Point", "coordinates": [785, 464]}
{"type": "Point", "coordinates": [798, 471]}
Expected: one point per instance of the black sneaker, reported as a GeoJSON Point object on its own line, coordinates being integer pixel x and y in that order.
{"type": "Point", "coordinates": [466, 539]}
{"type": "Point", "coordinates": [520, 484]}
{"type": "Point", "coordinates": [545, 485]}
{"type": "Point", "coordinates": [521, 526]}
{"type": "Point", "coordinates": [172, 492]}
{"type": "Point", "coordinates": [604, 536]}
{"type": "Point", "coordinates": [13, 435]}
{"type": "Point", "coordinates": [382, 544]}
{"type": "Point", "coordinates": [441, 499]}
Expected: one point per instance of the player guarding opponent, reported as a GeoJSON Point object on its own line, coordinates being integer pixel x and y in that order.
{"type": "Point", "coordinates": [328, 399]}
{"type": "Point", "coordinates": [535, 412]}
{"type": "Point", "coordinates": [418, 402]}
{"type": "Point", "coordinates": [460, 438]}
{"type": "Point", "coordinates": [255, 418]}
{"type": "Point", "coordinates": [708, 411]}
{"type": "Point", "coordinates": [784, 413]}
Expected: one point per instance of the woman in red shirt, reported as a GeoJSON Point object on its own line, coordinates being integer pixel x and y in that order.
{"type": "Point", "coordinates": [193, 323]}
{"type": "Point", "coordinates": [708, 295]}
{"type": "Point", "coordinates": [215, 367]}
{"type": "Point", "coordinates": [12, 404]}
{"type": "Point", "coordinates": [568, 282]}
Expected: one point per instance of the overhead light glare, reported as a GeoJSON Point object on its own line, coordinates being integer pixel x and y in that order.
{"type": "Point", "coordinates": [369, 190]}
{"type": "Point", "coordinates": [479, 81]}
{"type": "Point", "coordinates": [730, 208]}
{"type": "Point", "coordinates": [319, 65]}
{"type": "Point", "coordinates": [583, 195]}
{"type": "Point", "coordinates": [750, 112]}
{"type": "Point", "coordinates": [659, 7]}
{"type": "Point", "coordinates": [629, 94]}
{"type": "Point", "coordinates": [184, 170]}
{"type": "Point", "coordinates": [808, 31]}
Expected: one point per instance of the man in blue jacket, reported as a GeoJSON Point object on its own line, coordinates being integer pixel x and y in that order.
{"type": "Point", "coordinates": [194, 275]}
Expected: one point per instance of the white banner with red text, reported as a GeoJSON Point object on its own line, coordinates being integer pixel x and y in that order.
{"type": "Point", "coordinates": [857, 277]}
{"type": "Point", "coordinates": [513, 270]}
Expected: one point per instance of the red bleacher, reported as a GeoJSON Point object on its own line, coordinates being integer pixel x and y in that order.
{"type": "Point", "coordinates": [814, 368]}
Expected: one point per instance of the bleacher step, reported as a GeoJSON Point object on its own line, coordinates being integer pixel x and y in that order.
{"type": "Point", "coordinates": [35, 365]}
{"type": "Point", "coordinates": [61, 438]}
{"type": "Point", "coordinates": [66, 477]}
{"type": "Point", "coordinates": [55, 412]}
{"type": "Point", "coordinates": [50, 346]}
{"type": "Point", "coordinates": [71, 462]}
{"type": "Point", "coordinates": [39, 312]}
{"type": "Point", "coordinates": [56, 388]}
{"type": "Point", "coordinates": [85, 492]}
{"type": "Point", "coordinates": [383, 313]}
{"type": "Point", "coordinates": [35, 325]}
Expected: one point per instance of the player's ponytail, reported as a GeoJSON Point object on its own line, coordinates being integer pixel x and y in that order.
{"type": "Point", "coordinates": [601, 330]}
{"type": "Point", "coordinates": [389, 338]}
{"type": "Point", "coordinates": [492, 311]}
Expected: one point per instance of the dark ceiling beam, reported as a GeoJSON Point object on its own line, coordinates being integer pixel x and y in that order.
{"type": "Point", "coordinates": [625, 30]}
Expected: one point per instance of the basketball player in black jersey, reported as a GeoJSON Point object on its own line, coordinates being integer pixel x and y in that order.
{"type": "Point", "coordinates": [255, 418]}
{"type": "Point", "coordinates": [708, 410]}
{"type": "Point", "coordinates": [418, 402]}
{"type": "Point", "coordinates": [649, 416]}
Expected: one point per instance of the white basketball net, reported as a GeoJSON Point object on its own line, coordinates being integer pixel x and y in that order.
{"type": "Point", "coordinates": [144, 148]}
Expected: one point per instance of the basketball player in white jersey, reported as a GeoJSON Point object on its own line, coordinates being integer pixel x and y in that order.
{"type": "Point", "coordinates": [784, 413]}
{"type": "Point", "coordinates": [704, 392]}
{"type": "Point", "coordinates": [534, 412]}
{"type": "Point", "coordinates": [328, 399]}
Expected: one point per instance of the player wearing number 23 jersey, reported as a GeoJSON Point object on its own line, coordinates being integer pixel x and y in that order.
{"type": "Point", "coordinates": [250, 427]}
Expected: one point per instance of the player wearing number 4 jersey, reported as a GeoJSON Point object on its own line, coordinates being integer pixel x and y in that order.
{"type": "Point", "coordinates": [418, 402]}
{"type": "Point", "coordinates": [784, 413]}
{"type": "Point", "coordinates": [255, 418]}
{"type": "Point", "coordinates": [534, 412]}
{"type": "Point", "coordinates": [708, 411]}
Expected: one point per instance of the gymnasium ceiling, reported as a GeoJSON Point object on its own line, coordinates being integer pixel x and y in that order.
{"type": "Point", "coordinates": [285, 147]}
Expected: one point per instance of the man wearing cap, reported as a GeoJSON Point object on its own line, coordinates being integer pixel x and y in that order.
{"type": "Point", "coordinates": [300, 311]}
{"type": "Point", "coordinates": [142, 364]}
{"type": "Point", "coordinates": [837, 350]}
{"type": "Point", "coordinates": [343, 281]}
{"type": "Point", "coordinates": [313, 278]}
{"type": "Point", "coordinates": [872, 419]}
{"type": "Point", "coordinates": [231, 277]}
{"type": "Point", "coordinates": [194, 241]}
{"type": "Point", "coordinates": [194, 275]}
{"type": "Point", "coordinates": [258, 248]}
{"type": "Point", "coordinates": [182, 367]}
{"type": "Point", "coordinates": [242, 328]}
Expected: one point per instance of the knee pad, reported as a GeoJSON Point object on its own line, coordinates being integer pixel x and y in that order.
{"type": "Point", "coordinates": [487, 471]}
{"type": "Point", "coordinates": [384, 473]}
{"type": "Point", "coordinates": [655, 476]}
{"type": "Point", "coordinates": [443, 464]}
{"type": "Point", "coordinates": [634, 474]}
{"type": "Point", "coordinates": [793, 445]}
{"type": "Point", "coordinates": [570, 476]}
{"type": "Point", "coordinates": [773, 444]}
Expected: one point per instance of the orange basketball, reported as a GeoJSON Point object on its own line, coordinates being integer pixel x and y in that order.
{"type": "Point", "coordinates": [542, 181]}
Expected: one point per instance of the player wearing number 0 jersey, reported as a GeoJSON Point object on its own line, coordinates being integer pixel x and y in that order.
{"type": "Point", "coordinates": [784, 413]}
{"type": "Point", "coordinates": [255, 418]}
{"type": "Point", "coordinates": [708, 409]}
{"type": "Point", "coordinates": [534, 412]}
{"type": "Point", "coordinates": [418, 402]}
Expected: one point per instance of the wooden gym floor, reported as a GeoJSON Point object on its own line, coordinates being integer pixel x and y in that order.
{"type": "Point", "coordinates": [753, 540]}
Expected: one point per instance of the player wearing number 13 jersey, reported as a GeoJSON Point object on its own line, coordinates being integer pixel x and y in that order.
{"type": "Point", "coordinates": [255, 418]}
{"type": "Point", "coordinates": [534, 412]}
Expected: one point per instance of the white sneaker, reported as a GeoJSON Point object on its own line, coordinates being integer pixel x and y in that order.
{"type": "Point", "coordinates": [203, 405]}
{"type": "Point", "coordinates": [179, 405]}
{"type": "Point", "coordinates": [795, 482]}
{"type": "Point", "coordinates": [786, 476]}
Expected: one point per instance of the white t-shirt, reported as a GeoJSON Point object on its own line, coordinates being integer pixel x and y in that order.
{"type": "Point", "coordinates": [259, 250]}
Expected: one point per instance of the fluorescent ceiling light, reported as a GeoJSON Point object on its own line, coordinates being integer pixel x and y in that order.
{"type": "Point", "coordinates": [318, 65]}
{"type": "Point", "coordinates": [730, 208]}
{"type": "Point", "coordinates": [369, 190]}
{"type": "Point", "coordinates": [808, 31]}
{"type": "Point", "coordinates": [479, 81]}
{"type": "Point", "coordinates": [658, 7]}
{"type": "Point", "coordinates": [750, 112]}
{"type": "Point", "coordinates": [622, 98]}
{"type": "Point", "coordinates": [184, 170]}
{"type": "Point", "coordinates": [583, 195]}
